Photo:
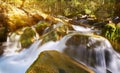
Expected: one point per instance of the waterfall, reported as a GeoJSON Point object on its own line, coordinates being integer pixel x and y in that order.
{"type": "Point", "coordinates": [93, 51]}
{"type": "Point", "coordinates": [12, 45]}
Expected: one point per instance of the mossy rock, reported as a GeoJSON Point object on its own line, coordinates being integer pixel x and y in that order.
{"type": "Point", "coordinates": [55, 62]}
{"type": "Point", "coordinates": [55, 34]}
{"type": "Point", "coordinates": [40, 27]}
{"type": "Point", "coordinates": [27, 38]}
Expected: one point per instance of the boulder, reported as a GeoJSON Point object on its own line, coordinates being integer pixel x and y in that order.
{"type": "Point", "coordinates": [28, 37]}
{"type": "Point", "coordinates": [55, 32]}
{"type": "Point", "coordinates": [41, 26]}
{"type": "Point", "coordinates": [55, 62]}
{"type": "Point", "coordinates": [82, 47]}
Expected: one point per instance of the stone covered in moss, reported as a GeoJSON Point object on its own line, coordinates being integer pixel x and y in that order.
{"type": "Point", "coordinates": [40, 27]}
{"type": "Point", "coordinates": [55, 62]}
{"type": "Point", "coordinates": [27, 38]}
{"type": "Point", "coordinates": [55, 32]}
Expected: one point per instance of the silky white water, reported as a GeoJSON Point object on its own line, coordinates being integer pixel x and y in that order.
{"type": "Point", "coordinates": [95, 52]}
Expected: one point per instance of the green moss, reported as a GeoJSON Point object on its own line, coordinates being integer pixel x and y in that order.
{"type": "Point", "coordinates": [55, 34]}
{"type": "Point", "coordinates": [55, 62]}
{"type": "Point", "coordinates": [40, 27]}
{"type": "Point", "coordinates": [118, 31]}
{"type": "Point", "coordinates": [51, 36]}
{"type": "Point", "coordinates": [27, 38]}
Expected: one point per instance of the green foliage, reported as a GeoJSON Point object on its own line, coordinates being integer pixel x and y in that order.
{"type": "Point", "coordinates": [101, 8]}
{"type": "Point", "coordinates": [112, 32]}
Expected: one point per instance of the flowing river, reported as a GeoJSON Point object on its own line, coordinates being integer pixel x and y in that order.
{"type": "Point", "coordinates": [93, 51]}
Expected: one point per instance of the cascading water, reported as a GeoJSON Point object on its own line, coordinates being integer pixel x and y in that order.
{"type": "Point", "coordinates": [12, 45]}
{"type": "Point", "coordinates": [94, 51]}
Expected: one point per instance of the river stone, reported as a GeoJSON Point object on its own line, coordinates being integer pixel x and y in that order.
{"type": "Point", "coordinates": [55, 32]}
{"type": "Point", "coordinates": [55, 62]}
{"type": "Point", "coordinates": [27, 38]}
{"type": "Point", "coordinates": [40, 27]}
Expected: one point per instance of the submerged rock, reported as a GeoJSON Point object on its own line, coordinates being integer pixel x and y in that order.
{"type": "Point", "coordinates": [55, 62]}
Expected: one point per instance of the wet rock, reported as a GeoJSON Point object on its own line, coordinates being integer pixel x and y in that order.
{"type": "Point", "coordinates": [99, 25]}
{"type": "Point", "coordinates": [3, 34]}
{"type": "Point", "coordinates": [28, 37]}
{"type": "Point", "coordinates": [55, 32]}
{"type": "Point", "coordinates": [41, 26]}
{"type": "Point", "coordinates": [115, 20]}
{"type": "Point", "coordinates": [86, 21]}
{"type": "Point", "coordinates": [109, 71]}
{"type": "Point", "coordinates": [1, 51]}
{"type": "Point", "coordinates": [55, 62]}
{"type": "Point", "coordinates": [80, 47]}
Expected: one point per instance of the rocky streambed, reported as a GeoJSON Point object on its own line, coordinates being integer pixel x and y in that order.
{"type": "Point", "coordinates": [34, 42]}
